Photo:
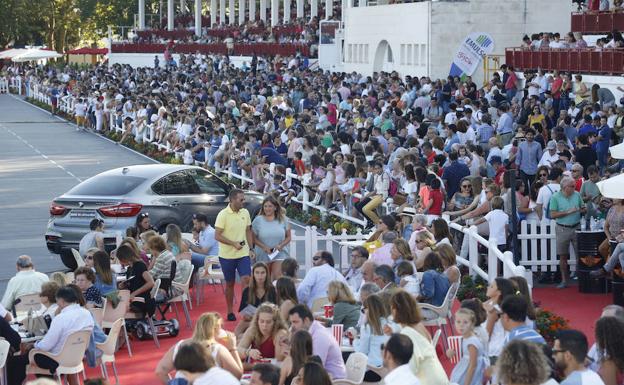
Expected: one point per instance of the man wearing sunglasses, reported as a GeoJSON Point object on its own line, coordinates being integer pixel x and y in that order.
{"type": "Point", "coordinates": [569, 353]}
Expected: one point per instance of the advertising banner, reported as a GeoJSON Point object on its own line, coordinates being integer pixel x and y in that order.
{"type": "Point", "coordinates": [470, 53]}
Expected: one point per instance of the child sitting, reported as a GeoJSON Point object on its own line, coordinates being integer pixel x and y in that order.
{"type": "Point", "coordinates": [408, 280]}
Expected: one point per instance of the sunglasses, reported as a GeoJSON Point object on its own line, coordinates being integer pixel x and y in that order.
{"type": "Point", "coordinates": [89, 257]}
{"type": "Point", "coordinates": [316, 258]}
{"type": "Point", "coordinates": [541, 175]}
{"type": "Point", "coordinates": [466, 186]}
{"type": "Point", "coordinates": [143, 215]}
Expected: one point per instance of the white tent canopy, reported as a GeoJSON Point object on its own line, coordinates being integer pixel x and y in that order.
{"type": "Point", "coordinates": [617, 151]}
{"type": "Point", "coordinates": [11, 53]}
{"type": "Point", "coordinates": [613, 187]}
{"type": "Point", "coordinates": [34, 54]}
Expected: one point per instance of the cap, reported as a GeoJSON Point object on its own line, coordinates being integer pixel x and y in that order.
{"type": "Point", "coordinates": [552, 145]}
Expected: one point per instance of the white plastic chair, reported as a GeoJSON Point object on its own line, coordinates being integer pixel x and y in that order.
{"type": "Point", "coordinates": [356, 368]}
{"type": "Point", "coordinates": [436, 338]}
{"type": "Point", "coordinates": [108, 348]}
{"type": "Point", "coordinates": [28, 302]}
{"type": "Point", "coordinates": [78, 258]}
{"type": "Point", "coordinates": [98, 312]}
{"type": "Point", "coordinates": [111, 315]}
{"type": "Point", "coordinates": [5, 346]}
{"type": "Point", "coordinates": [69, 358]}
{"type": "Point", "coordinates": [184, 297]}
{"type": "Point", "coordinates": [318, 304]}
{"type": "Point", "coordinates": [208, 273]}
{"type": "Point", "coordinates": [441, 313]}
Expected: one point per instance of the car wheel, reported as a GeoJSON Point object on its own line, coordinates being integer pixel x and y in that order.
{"type": "Point", "coordinates": [68, 259]}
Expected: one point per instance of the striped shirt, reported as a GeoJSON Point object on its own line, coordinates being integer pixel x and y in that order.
{"type": "Point", "coordinates": [525, 333]}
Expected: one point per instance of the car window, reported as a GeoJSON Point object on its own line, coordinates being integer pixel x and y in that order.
{"type": "Point", "coordinates": [178, 183]}
{"type": "Point", "coordinates": [107, 185]}
{"type": "Point", "coordinates": [208, 183]}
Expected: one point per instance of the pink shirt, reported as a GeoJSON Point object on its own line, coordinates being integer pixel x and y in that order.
{"type": "Point", "coordinates": [381, 256]}
{"type": "Point", "coordinates": [326, 347]}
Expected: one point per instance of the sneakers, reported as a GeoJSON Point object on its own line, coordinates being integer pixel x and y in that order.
{"type": "Point", "coordinates": [562, 285]}
{"type": "Point", "coordinates": [598, 273]}
{"type": "Point", "coordinates": [231, 317]}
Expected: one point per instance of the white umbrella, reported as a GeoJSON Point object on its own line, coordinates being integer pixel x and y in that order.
{"type": "Point", "coordinates": [10, 53]}
{"type": "Point", "coordinates": [617, 151]}
{"type": "Point", "coordinates": [36, 54]}
{"type": "Point", "coordinates": [613, 187]}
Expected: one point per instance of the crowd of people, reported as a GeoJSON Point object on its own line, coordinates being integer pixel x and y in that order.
{"type": "Point", "coordinates": [398, 153]}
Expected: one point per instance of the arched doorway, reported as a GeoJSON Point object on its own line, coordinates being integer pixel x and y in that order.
{"type": "Point", "coordinates": [384, 59]}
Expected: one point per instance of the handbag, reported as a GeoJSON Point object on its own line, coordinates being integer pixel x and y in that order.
{"type": "Point", "coordinates": [36, 324]}
{"type": "Point", "coordinates": [399, 198]}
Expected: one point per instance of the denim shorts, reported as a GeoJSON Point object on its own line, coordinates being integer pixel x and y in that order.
{"type": "Point", "coordinates": [230, 266]}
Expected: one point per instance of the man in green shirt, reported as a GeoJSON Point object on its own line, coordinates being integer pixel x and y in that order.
{"type": "Point", "coordinates": [589, 191]}
{"type": "Point", "coordinates": [566, 207]}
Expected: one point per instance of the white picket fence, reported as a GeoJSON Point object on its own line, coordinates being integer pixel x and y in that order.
{"type": "Point", "coordinates": [315, 240]}
{"type": "Point", "coordinates": [538, 247]}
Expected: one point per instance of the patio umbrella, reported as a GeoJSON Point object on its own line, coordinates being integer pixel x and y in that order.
{"type": "Point", "coordinates": [617, 151]}
{"type": "Point", "coordinates": [613, 187]}
{"type": "Point", "coordinates": [10, 53]}
{"type": "Point", "coordinates": [34, 54]}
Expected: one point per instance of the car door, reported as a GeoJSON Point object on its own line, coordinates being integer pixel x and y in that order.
{"type": "Point", "coordinates": [180, 197]}
{"type": "Point", "coordinates": [213, 192]}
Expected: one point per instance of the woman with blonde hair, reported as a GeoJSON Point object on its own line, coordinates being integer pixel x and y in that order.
{"type": "Point", "coordinates": [272, 235]}
{"type": "Point", "coordinates": [173, 235]}
{"type": "Point", "coordinates": [424, 362]}
{"type": "Point", "coordinates": [262, 339]}
{"type": "Point", "coordinates": [346, 309]}
{"type": "Point", "coordinates": [424, 244]}
{"type": "Point", "coordinates": [207, 328]}
{"type": "Point", "coordinates": [449, 262]}
{"type": "Point", "coordinates": [522, 363]}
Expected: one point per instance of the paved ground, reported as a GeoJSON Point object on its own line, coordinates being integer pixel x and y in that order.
{"type": "Point", "coordinates": [41, 158]}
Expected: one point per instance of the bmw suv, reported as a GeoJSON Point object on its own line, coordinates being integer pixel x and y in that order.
{"type": "Point", "coordinates": [168, 193]}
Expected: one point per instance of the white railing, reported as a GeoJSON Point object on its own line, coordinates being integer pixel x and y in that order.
{"type": "Point", "coordinates": [15, 84]}
{"type": "Point", "coordinates": [494, 255]}
{"type": "Point", "coordinates": [538, 247]}
{"type": "Point", "coordinates": [315, 241]}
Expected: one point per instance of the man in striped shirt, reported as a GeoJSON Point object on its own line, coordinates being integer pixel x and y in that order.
{"type": "Point", "coordinates": [514, 320]}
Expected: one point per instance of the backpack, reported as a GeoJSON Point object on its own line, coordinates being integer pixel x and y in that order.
{"type": "Point", "coordinates": [547, 208]}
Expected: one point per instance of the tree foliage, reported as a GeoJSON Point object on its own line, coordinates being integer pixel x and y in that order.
{"type": "Point", "coordinates": [63, 24]}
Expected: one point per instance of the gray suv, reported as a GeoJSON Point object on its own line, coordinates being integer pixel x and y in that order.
{"type": "Point", "coordinates": [169, 193]}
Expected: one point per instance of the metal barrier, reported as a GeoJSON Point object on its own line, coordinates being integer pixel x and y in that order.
{"type": "Point", "coordinates": [586, 61]}
{"type": "Point", "coordinates": [590, 23]}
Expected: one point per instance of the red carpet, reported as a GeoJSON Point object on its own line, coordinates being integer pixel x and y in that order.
{"type": "Point", "coordinates": [581, 310]}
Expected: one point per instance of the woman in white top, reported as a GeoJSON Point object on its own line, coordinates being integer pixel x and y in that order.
{"type": "Point", "coordinates": [223, 353]}
{"type": "Point", "coordinates": [196, 365]}
{"type": "Point", "coordinates": [496, 293]}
